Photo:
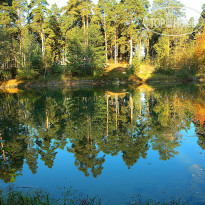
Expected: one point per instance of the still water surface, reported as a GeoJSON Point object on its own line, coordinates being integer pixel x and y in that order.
{"type": "Point", "coordinates": [109, 142]}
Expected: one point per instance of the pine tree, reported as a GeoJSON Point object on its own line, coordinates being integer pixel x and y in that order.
{"type": "Point", "coordinates": [53, 35]}
{"type": "Point", "coordinates": [135, 12]}
{"type": "Point", "coordinates": [20, 8]}
{"type": "Point", "coordinates": [37, 16]}
{"type": "Point", "coordinates": [104, 16]}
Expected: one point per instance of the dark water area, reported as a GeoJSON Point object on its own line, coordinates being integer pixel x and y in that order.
{"type": "Point", "coordinates": [108, 142]}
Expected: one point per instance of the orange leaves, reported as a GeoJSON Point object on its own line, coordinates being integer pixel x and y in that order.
{"type": "Point", "coordinates": [200, 48]}
{"type": "Point", "coordinates": [199, 114]}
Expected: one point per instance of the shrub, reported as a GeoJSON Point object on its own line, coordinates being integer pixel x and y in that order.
{"type": "Point", "coordinates": [27, 74]}
{"type": "Point", "coordinates": [5, 75]}
{"type": "Point", "coordinates": [136, 64]}
{"type": "Point", "coordinates": [86, 58]}
{"type": "Point", "coordinates": [130, 70]}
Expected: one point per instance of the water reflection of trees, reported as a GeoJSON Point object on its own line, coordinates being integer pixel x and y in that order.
{"type": "Point", "coordinates": [36, 125]}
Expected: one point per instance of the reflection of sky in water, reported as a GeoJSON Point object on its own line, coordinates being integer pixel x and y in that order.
{"type": "Point", "coordinates": [142, 97]}
{"type": "Point", "coordinates": [180, 176]}
{"type": "Point", "coordinates": [151, 177]}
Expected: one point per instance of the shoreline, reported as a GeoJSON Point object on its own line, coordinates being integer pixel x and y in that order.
{"type": "Point", "coordinates": [14, 83]}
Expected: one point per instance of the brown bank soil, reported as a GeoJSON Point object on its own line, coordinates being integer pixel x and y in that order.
{"type": "Point", "coordinates": [114, 75]}
{"type": "Point", "coordinates": [15, 84]}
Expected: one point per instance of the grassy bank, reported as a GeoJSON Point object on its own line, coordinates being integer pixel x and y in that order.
{"type": "Point", "coordinates": [114, 74]}
{"type": "Point", "coordinates": [39, 197]}
{"type": "Point", "coordinates": [151, 74]}
{"type": "Point", "coordinates": [147, 73]}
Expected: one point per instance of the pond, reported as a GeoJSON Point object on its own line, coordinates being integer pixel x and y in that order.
{"type": "Point", "coordinates": [111, 142]}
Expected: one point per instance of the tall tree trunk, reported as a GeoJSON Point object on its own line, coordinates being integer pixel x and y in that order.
{"type": "Point", "coordinates": [140, 45]}
{"type": "Point", "coordinates": [131, 50]}
{"type": "Point", "coordinates": [84, 28]}
{"type": "Point", "coordinates": [20, 38]}
{"type": "Point", "coordinates": [168, 43]}
{"type": "Point", "coordinates": [63, 56]}
{"type": "Point", "coordinates": [111, 50]}
{"type": "Point", "coordinates": [87, 29]}
{"type": "Point", "coordinates": [20, 33]}
{"type": "Point", "coordinates": [115, 44]}
{"type": "Point", "coordinates": [84, 24]}
{"type": "Point", "coordinates": [131, 46]}
{"type": "Point", "coordinates": [148, 45]}
{"type": "Point", "coordinates": [24, 61]}
{"type": "Point", "coordinates": [43, 50]}
{"type": "Point", "coordinates": [105, 29]}
{"type": "Point", "coordinates": [168, 50]}
{"type": "Point", "coordinates": [42, 44]}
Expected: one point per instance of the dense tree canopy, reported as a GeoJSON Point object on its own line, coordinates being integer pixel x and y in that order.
{"type": "Point", "coordinates": [81, 38]}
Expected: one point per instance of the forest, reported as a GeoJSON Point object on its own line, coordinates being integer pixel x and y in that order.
{"type": "Point", "coordinates": [38, 40]}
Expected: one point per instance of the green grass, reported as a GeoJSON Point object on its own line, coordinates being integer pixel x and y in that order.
{"type": "Point", "coordinates": [151, 74]}
{"type": "Point", "coordinates": [69, 197]}
{"type": "Point", "coordinates": [116, 71]}
{"type": "Point", "coordinates": [15, 197]}
{"type": "Point", "coordinates": [38, 197]}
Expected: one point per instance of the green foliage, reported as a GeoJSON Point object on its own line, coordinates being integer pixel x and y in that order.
{"type": "Point", "coordinates": [36, 61]}
{"type": "Point", "coordinates": [38, 14]}
{"type": "Point", "coordinates": [186, 74]}
{"type": "Point", "coordinates": [7, 57]}
{"type": "Point", "coordinates": [53, 44]}
{"type": "Point", "coordinates": [17, 197]}
{"type": "Point", "coordinates": [57, 69]}
{"type": "Point", "coordinates": [172, 54]}
{"type": "Point", "coordinates": [135, 67]}
{"type": "Point", "coordinates": [32, 57]}
{"type": "Point", "coordinates": [85, 57]}
{"type": "Point", "coordinates": [27, 74]}
{"type": "Point", "coordinates": [70, 196]}
{"type": "Point", "coordinates": [5, 75]}
{"type": "Point", "coordinates": [136, 64]}
{"type": "Point", "coordinates": [162, 48]}
{"type": "Point", "coordinates": [130, 70]}
{"type": "Point", "coordinates": [85, 37]}
{"type": "Point", "coordinates": [5, 47]}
